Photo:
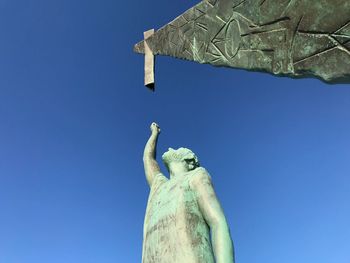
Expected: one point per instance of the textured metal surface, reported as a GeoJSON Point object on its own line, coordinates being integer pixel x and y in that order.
{"type": "Point", "coordinates": [175, 230]}
{"type": "Point", "coordinates": [296, 38]}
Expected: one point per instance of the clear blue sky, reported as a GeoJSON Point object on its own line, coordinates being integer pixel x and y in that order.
{"type": "Point", "coordinates": [74, 118]}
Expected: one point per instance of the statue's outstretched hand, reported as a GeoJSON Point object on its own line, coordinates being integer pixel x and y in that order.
{"type": "Point", "coordinates": [155, 128]}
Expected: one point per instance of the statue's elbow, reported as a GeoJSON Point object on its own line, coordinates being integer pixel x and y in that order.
{"type": "Point", "coordinates": [147, 157]}
{"type": "Point", "coordinates": [219, 223]}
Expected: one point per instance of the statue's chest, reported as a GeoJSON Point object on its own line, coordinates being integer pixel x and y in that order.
{"type": "Point", "coordinates": [169, 200]}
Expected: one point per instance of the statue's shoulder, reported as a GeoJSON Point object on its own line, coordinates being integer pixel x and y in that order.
{"type": "Point", "coordinates": [199, 170]}
{"type": "Point", "coordinates": [158, 180]}
{"type": "Point", "coordinates": [199, 176]}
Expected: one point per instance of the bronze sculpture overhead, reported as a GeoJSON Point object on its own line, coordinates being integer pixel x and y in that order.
{"type": "Point", "coordinates": [295, 38]}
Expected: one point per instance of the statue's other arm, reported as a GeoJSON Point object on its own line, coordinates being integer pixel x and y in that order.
{"type": "Point", "coordinates": [149, 155]}
{"type": "Point", "coordinates": [214, 216]}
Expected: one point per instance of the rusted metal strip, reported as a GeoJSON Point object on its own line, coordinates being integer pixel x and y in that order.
{"type": "Point", "coordinates": [149, 61]}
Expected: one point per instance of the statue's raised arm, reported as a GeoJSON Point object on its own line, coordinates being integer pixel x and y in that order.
{"type": "Point", "coordinates": [149, 155]}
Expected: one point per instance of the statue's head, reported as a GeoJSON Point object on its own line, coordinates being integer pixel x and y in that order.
{"type": "Point", "coordinates": [181, 157]}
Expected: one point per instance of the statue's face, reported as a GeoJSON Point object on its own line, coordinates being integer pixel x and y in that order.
{"type": "Point", "coordinates": [182, 157]}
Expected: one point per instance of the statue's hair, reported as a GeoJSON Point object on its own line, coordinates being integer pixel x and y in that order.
{"type": "Point", "coordinates": [181, 154]}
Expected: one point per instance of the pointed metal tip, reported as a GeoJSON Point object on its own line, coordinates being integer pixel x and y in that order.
{"type": "Point", "coordinates": [140, 47]}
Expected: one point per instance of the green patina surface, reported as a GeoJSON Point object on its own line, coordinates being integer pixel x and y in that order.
{"type": "Point", "coordinates": [184, 221]}
{"type": "Point", "coordinates": [296, 38]}
{"type": "Point", "coordinates": [175, 230]}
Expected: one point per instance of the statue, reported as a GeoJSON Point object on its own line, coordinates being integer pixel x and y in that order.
{"type": "Point", "coordinates": [295, 38]}
{"type": "Point", "coordinates": [183, 212]}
